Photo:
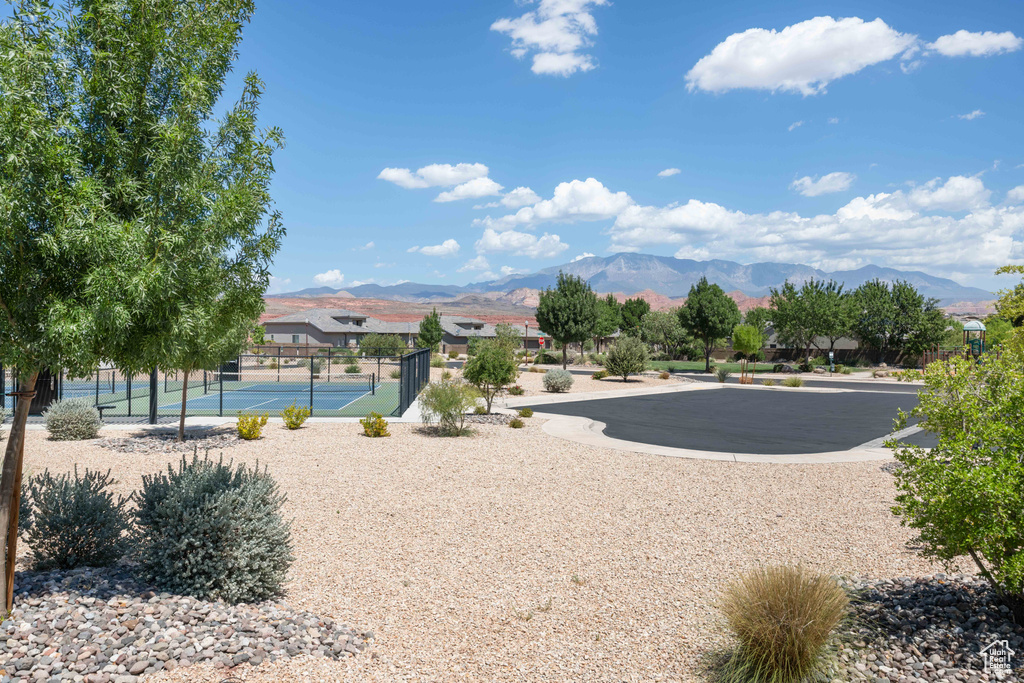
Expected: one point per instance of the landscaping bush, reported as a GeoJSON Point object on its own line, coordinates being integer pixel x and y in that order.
{"type": "Point", "coordinates": [352, 369]}
{"type": "Point", "coordinates": [557, 381]}
{"type": "Point", "coordinates": [516, 423]}
{"type": "Point", "coordinates": [375, 344]}
{"type": "Point", "coordinates": [665, 375]}
{"type": "Point", "coordinates": [250, 425]}
{"type": "Point", "coordinates": [600, 374]}
{"type": "Point", "coordinates": [847, 371]}
{"type": "Point", "coordinates": [964, 496]}
{"type": "Point", "coordinates": [793, 382]}
{"type": "Point", "coordinates": [453, 355]}
{"type": "Point", "coordinates": [545, 358]}
{"type": "Point", "coordinates": [272, 364]}
{"type": "Point", "coordinates": [768, 382]}
{"type": "Point", "coordinates": [721, 374]}
{"type": "Point", "coordinates": [437, 361]}
{"type": "Point", "coordinates": [526, 412]}
{"type": "Point", "coordinates": [783, 619]}
{"type": "Point", "coordinates": [214, 531]}
{"type": "Point", "coordinates": [396, 374]}
{"type": "Point", "coordinates": [492, 369]}
{"type": "Point", "coordinates": [480, 410]}
{"type": "Point", "coordinates": [515, 390]}
{"type": "Point", "coordinates": [597, 358]}
{"type": "Point", "coordinates": [74, 521]}
{"type": "Point", "coordinates": [446, 403]}
{"type": "Point", "coordinates": [294, 417]}
{"type": "Point", "coordinates": [72, 419]}
{"type": "Point", "coordinates": [628, 357]}
{"type": "Point", "coordinates": [536, 369]}
{"type": "Point", "coordinates": [374, 425]}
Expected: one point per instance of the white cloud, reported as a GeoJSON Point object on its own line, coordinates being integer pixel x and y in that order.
{"type": "Point", "coordinates": [557, 32]}
{"type": "Point", "coordinates": [793, 126]}
{"type": "Point", "coordinates": [277, 284]}
{"type": "Point", "coordinates": [509, 270]}
{"type": "Point", "coordinates": [833, 182]}
{"type": "Point", "coordinates": [582, 256]}
{"type": "Point", "coordinates": [976, 114]}
{"type": "Point", "coordinates": [434, 175]}
{"type": "Point", "coordinates": [958, 193]}
{"type": "Point", "coordinates": [1014, 196]}
{"type": "Point", "coordinates": [834, 119]}
{"type": "Point", "coordinates": [366, 247]}
{"type": "Point", "coordinates": [980, 44]}
{"type": "Point", "coordinates": [479, 263]}
{"type": "Point", "coordinates": [471, 189]}
{"type": "Point", "coordinates": [519, 197]}
{"type": "Point", "coordinates": [522, 243]}
{"type": "Point", "coordinates": [577, 200]}
{"type": "Point", "coordinates": [447, 248]}
{"type": "Point", "coordinates": [804, 57]}
{"type": "Point", "coordinates": [331, 277]}
{"type": "Point", "coordinates": [669, 172]}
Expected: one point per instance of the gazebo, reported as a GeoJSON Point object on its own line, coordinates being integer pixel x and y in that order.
{"type": "Point", "coordinates": [974, 338]}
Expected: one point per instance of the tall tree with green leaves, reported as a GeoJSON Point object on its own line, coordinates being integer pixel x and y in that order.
{"type": "Point", "coordinates": [568, 313]}
{"type": "Point", "coordinates": [661, 330]}
{"type": "Point", "coordinates": [794, 322]}
{"type": "Point", "coordinates": [896, 319]}
{"type": "Point", "coordinates": [748, 340]}
{"type": "Point", "coordinates": [759, 317]}
{"type": "Point", "coordinates": [155, 215]}
{"type": "Point", "coordinates": [609, 319]}
{"type": "Point", "coordinates": [708, 316]}
{"type": "Point", "coordinates": [633, 312]}
{"type": "Point", "coordinates": [431, 332]}
{"type": "Point", "coordinates": [829, 310]}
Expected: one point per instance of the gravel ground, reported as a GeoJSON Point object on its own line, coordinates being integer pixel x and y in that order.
{"type": "Point", "coordinates": [514, 556]}
{"type": "Point", "coordinates": [533, 382]}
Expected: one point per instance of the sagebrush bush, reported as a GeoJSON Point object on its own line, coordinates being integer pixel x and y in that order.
{"type": "Point", "coordinates": [600, 374]}
{"type": "Point", "coordinates": [628, 357]}
{"type": "Point", "coordinates": [295, 416]}
{"type": "Point", "coordinates": [75, 521]}
{"type": "Point", "coordinates": [558, 381]}
{"type": "Point", "coordinates": [516, 423]}
{"type": "Point", "coordinates": [793, 381]}
{"type": "Point", "coordinates": [783, 619]}
{"type": "Point", "coordinates": [250, 425]}
{"type": "Point", "coordinates": [352, 369]}
{"type": "Point", "coordinates": [72, 419]}
{"type": "Point", "coordinates": [453, 355]}
{"type": "Point", "coordinates": [437, 361]}
{"type": "Point", "coordinates": [272, 364]}
{"type": "Point", "coordinates": [374, 425]}
{"type": "Point", "coordinates": [480, 410]}
{"type": "Point", "coordinates": [515, 390]}
{"type": "Point", "coordinates": [396, 374]}
{"type": "Point", "coordinates": [721, 374]}
{"type": "Point", "coordinates": [526, 412]}
{"type": "Point", "coordinates": [214, 531]}
{"type": "Point", "coordinates": [446, 403]}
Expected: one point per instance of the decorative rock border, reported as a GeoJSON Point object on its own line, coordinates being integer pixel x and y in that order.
{"type": "Point", "coordinates": [164, 442]}
{"type": "Point", "coordinates": [101, 626]}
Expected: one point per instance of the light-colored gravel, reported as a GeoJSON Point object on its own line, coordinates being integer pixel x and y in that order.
{"type": "Point", "coordinates": [533, 382]}
{"type": "Point", "coordinates": [514, 556]}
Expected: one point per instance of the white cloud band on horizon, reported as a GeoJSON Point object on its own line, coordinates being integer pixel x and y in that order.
{"type": "Point", "coordinates": [447, 248]}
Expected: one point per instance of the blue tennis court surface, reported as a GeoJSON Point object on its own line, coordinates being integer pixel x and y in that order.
{"type": "Point", "coordinates": [275, 401]}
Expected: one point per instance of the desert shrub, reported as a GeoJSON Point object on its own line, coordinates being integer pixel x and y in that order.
{"type": "Point", "coordinates": [294, 416]}
{"type": "Point", "coordinates": [847, 370]}
{"type": "Point", "coordinates": [250, 425]}
{"type": "Point", "coordinates": [352, 369]}
{"type": "Point", "coordinates": [908, 375]}
{"type": "Point", "coordinates": [526, 412]}
{"type": "Point", "coordinates": [272, 364]}
{"type": "Point", "coordinates": [375, 344]}
{"type": "Point", "coordinates": [453, 355]}
{"type": "Point", "coordinates": [665, 375]}
{"type": "Point", "coordinates": [793, 382]}
{"type": "Point", "coordinates": [374, 425]}
{"type": "Point", "coordinates": [534, 368]}
{"type": "Point", "coordinates": [628, 357]}
{"type": "Point", "coordinates": [964, 496]}
{"type": "Point", "coordinates": [480, 410]}
{"type": "Point", "coordinates": [516, 423]}
{"type": "Point", "coordinates": [545, 358]}
{"type": "Point", "coordinates": [600, 374]}
{"type": "Point", "coordinates": [396, 374]}
{"type": "Point", "coordinates": [818, 361]}
{"type": "Point", "coordinates": [447, 374]}
{"type": "Point", "coordinates": [72, 419]}
{"type": "Point", "coordinates": [768, 382]}
{"type": "Point", "coordinates": [598, 358]}
{"type": "Point", "coordinates": [446, 403]}
{"type": "Point", "coordinates": [784, 620]}
{"type": "Point", "coordinates": [214, 531]}
{"type": "Point", "coordinates": [74, 521]}
{"type": "Point", "coordinates": [515, 390]}
{"type": "Point", "coordinates": [721, 374]}
{"type": "Point", "coordinates": [437, 361]}
{"type": "Point", "coordinates": [557, 381]}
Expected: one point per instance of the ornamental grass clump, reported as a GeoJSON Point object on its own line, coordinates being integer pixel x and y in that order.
{"type": "Point", "coordinates": [784, 620]}
{"type": "Point", "coordinates": [721, 374]}
{"type": "Point", "coordinates": [793, 382]}
{"type": "Point", "coordinates": [558, 381]}
{"type": "Point", "coordinates": [73, 419]}
{"type": "Point", "coordinates": [214, 531]}
{"type": "Point", "coordinates": [74, 521]}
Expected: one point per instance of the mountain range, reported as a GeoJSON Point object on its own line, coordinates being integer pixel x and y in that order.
{"type": "Point", "coordinates": [632, 273]}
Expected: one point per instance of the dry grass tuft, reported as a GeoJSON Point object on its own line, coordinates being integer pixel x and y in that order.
{"type": "Point", "coordinates": [783, 619]}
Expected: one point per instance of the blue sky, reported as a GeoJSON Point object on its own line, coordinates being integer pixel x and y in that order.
{"type": "Point", "coordinates": [835, 134]}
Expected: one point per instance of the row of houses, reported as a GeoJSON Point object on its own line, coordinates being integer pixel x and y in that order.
{"type": "Point", "coordinates": [340, 328]}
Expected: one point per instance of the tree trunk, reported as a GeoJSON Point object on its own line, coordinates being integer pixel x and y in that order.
{"type": "Point", "coordinates": [10, 486]}
{"type": "Point", "coordinates": [707, 358]}
{"type": "Point", "coordinates": [184, 399]}
{"type": "Point", "coordinates": [565, 356]}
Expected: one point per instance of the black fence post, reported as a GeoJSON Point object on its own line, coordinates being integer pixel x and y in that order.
{"type": "Point", "coordinates": [220, 410]}
{"type": "Point", "coordinates": [328, 367]}
{"type": "Point", "coordinates": [3, 387]}
{"type": "Point", "coordinates": [279, 366]}
{"type": "Point", "coordinates": [130, 380]}
{"type": "Point", "coordinates": [153, 387]}
{"type": "Point", "coordinates": [310, 386]}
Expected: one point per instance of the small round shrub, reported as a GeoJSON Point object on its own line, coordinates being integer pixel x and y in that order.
{"type": "Point", "coordinates": [558, 381]}
{"type": "Point", "coordinates": [665, 375]}
{"type": "Point", "coordinates": [396, 374]}
{"type": "Point", "coordinates": [250, 425]}
{"type": "Point", "coordinates": [453, 355]}
{"type": "Point", "coordinates": [516, 423]}
{"type": "Point", "coordinates": [374, 426]}
{"type": "Point", "coordinates": [526, 412]}
{"type": "Point", "coordinates": [480, 410]}
{"type": "Point", "coordinates": [352, 369]}
{"type": "Point", "coordinates": [600, 374]}
{"type": "Point", "coordinates": [515, 390]}
{"type": "Point", "coordinates": [74, 521]}
{"type": "Point", "coordinates": [294, 416]}
{"type": "Point", "coordinates": [214, 531]}
{"type": "Point", "coordinates": [72, 419]}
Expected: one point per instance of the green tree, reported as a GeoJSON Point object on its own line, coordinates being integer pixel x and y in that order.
{"type": "Point", "coordinates": [760, 317]}
{"type": "Point", "coordinates": [895, 319]}
{"type": "Point", "coordinates": [492, 369]}
{"type": "Point", "coordinates": [376, 344]}
{"type": "Point", "coordinates": [1011, 307]}
{"type": "Point", "coordinates": [661, 329]}
{"type": "Point", "coordinates": [431, 332]}
{"type": "Point", "coordinates": [633, 312]}
{"type": "Point", "coordinates": [965, 496]}
{"type": "Point", "coordinates": [829, 309]}
{"type": "Point", "coordinates": [748, 340]}
{"type": "Point", "coordinates": [708, 316]}
{"type": "Point", "coordinates": [258, 336]}
{"type": "Point", "coordinates": [508, 335]}
{"type": "Point", "coordinates": [628, 356]}
{"type": "Point", "coordinates": [795, 324]}
{"type": "Point", "coordinates": [997, 331]}
{"type": "Point", "coordinates": [609, 319]}
{"type": "Point", "coordinates": [568, 313]}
